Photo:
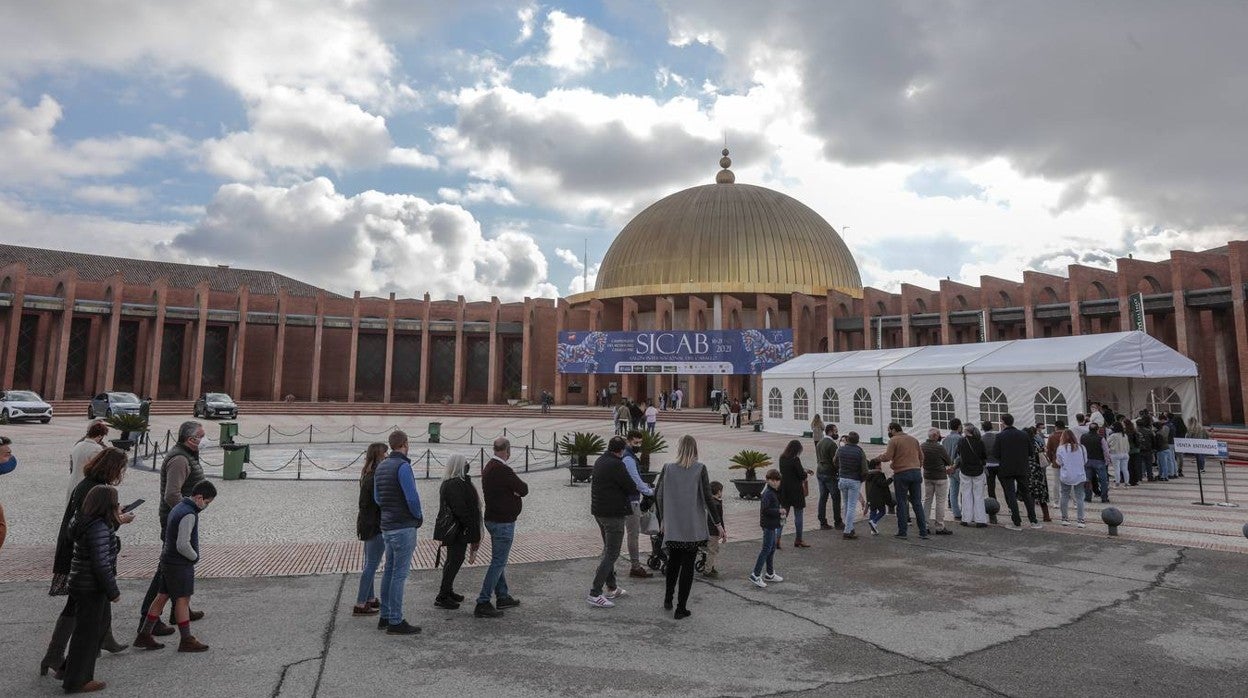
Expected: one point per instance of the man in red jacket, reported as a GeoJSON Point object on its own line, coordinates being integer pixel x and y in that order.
{"type": "Point", "coordinates": [502, 490]}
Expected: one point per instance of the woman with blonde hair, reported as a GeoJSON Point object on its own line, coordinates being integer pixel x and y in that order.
{"type": "Point", "coordinates": [1072, 459]}
{"type": "Point", "coordinates": [684, 501]}
{"type": "Point", "coordinates": [1196, 430]}
{"type": "Point", "coordinates": [368, 529]}
{"type": "Point", "coordinates": [458, 526]}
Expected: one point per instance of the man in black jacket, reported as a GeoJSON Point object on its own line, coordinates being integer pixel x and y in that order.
{"type": "Point", "coordinates": [610, 491]}
{"type": "Point", "coordinates": [1013, 449]}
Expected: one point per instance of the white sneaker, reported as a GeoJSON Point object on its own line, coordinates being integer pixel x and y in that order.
{"type": "Point", "coordinates": [1012, 527]}
{"type": "Point", "coordinates": [1065, 522]}
{"type": "Point", "coordinates": [875, 530]}
{"type": "Point", "coordinates": [616, 593]}
{"type": "Point", "coordinates": [758, 581]}
{"type": "Point", "coordinates": [599, 601]}
{"type": "Point", "coordinates": [1081, 525]}
{"type": "Point", "coordinates": [772, 577]}
{"type": "Point", "coordinates": [1037, 526]}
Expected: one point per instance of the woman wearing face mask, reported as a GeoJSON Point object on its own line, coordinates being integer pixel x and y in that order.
{"type": "Point", "coordinates": [458, 526]}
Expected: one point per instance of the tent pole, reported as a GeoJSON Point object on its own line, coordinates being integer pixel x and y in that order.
{"type": "Point", "coordinates": [1083, 386]}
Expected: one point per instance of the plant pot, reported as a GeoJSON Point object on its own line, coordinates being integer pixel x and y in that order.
{"type": "Point", "coordinates": [648, 477]}
{"type": "Point", "coordinates": [581, 473]}
{"type": "Point", "coordinates": [750, 489]}
{"type": "Point", "coordinates": [123, 444]}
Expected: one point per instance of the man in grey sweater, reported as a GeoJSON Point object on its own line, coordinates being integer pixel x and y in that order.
{"type": "Point", "coordinates": [825, 454]}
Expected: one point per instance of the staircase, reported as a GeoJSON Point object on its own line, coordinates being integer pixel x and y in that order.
{"type": "Point", "coordinates": [1236, 438]}
{"type": "Point", "coordinates": [78, 408]}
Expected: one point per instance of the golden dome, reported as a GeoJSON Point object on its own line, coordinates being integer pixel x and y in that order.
{"type": "Point", "coordinates": [727, 238]}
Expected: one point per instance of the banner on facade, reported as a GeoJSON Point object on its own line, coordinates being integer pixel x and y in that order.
{"type": "Point", "coordinates": [1135, 306]}
{"type": "Point", "coordinates": [671, 352]}
{"type": "Point", "coordinates": [879, 332]}
{"type": "Point", "coordinates": [983, 325]}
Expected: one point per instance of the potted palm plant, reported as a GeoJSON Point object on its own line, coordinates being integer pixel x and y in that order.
{"type": "Point", "coordinates": [127, 424]}
{"type": "Point", "coordinates": [650, 443]}
{"type": "Point", "coordinates": [580, 446]}
{"type": "Point", "coordinates": [750, 461]}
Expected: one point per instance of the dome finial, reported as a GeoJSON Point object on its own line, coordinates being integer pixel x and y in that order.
{"type": "Point", "coordinates": [725, 176]}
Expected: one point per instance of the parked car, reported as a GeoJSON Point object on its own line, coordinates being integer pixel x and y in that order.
{"type": "Point", "coordinates": [218, 405]}
{"type": "Point", "coordinates": [23, 405]}
{"type": "Point", "coordinates": [109, 404]}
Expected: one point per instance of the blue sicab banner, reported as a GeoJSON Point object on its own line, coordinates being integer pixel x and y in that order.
{"type": "Point", "coordinates": [674, 352]}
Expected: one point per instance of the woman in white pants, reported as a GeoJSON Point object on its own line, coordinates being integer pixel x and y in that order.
{"type": "Point", "coordinates": [972, 479]}
{"type": "Point", "coordinates": [1120, 454]}
{"type": "Point", "coordinates": [1071, 459]}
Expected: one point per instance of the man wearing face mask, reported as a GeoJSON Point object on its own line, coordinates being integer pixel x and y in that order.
{"type": "Point", "coordinates": [8, 462]}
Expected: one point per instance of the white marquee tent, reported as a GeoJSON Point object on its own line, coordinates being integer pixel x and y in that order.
{"type": "Point", "coordinates": [1033, 379]}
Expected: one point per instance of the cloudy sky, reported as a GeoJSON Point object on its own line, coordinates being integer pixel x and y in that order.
{"type": "Point", "coordinates": [474, 147]}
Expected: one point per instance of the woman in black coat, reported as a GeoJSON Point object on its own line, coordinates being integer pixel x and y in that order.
{"type": "Point", "coordinates": [105, 468]}
{"type": "Point", "coordinates": [368, 529]}
{"type": "Point", "coordinates": [793, 488]}
{"type": "Point", "coordinates": [92, 584]}
{"type": "Point", "coordinates": [458, 526]}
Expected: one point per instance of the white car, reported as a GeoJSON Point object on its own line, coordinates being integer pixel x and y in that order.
{"type": "Point", "coordinates": [23, 405]}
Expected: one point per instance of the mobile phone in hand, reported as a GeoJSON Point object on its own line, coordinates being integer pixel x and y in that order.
{"type": "Point", "coordinates": [132, 506]}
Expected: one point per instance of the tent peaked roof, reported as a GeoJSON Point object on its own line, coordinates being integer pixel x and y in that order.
{"type": "Point", "coordinates": [1113, 355]}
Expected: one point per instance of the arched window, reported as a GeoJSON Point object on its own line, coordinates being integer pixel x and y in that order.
{"type": "Point", "coordinates": [801, 405]}
{"type": "Point", "coordinates": [1164, 400]}
{"type": "Point", "coordinates": [1050, 406]}
{"type": "Point", "coordinates": [942, 408]}
{"type": "Point", "coordinates": [901, 408]}
{"type": "Point", "coordinates": [775, 404]}
{"type": "Point", "coordinates": [992, 405]}
{"type": "Point", "coordinates": [831, 406]}
{"type": "Point", "coordinates": [862, 407]}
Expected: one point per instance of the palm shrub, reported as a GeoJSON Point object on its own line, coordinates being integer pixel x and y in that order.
{"type": "Point", "coordinates": [749, 460]}
{"type": "Point", "coordinates": [581, 445]}
{"type": "Point", "coordinates": [650, 443]}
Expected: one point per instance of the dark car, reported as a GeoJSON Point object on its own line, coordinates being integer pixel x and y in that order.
{"type": "Point", "coordinates": [23, 405]}
{"type": "Point", "coordinates": [109, 404]}
{"type": "Point", "coordinates": [216, 405]}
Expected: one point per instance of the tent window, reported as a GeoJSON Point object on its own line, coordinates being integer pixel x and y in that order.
{"type": "Point", "coordinates": [801, 405]}
{"type": "Point", "coordinates": [992, 405]}
{"type": "Point", "coordinates": [901, 408]}
{"type": "Point", "coordinates": [862, 407]}
{"type": "Point", "coordinates": [1050, 406]}
{"type": "Point", "coordinates": [1164, 400]}
{"type": "Point", "coordinates": [831, 407]}
{"type": "Point", "coordinates": [942, 408]}
{"type": "Point", "coordinates": [775, 404]}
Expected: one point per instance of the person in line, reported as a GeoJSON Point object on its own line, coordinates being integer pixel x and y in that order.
{"type": "Point", "coordinates": [936, 468]}
{"type": "Point", "coordinates": [92, 584]}
{"type": "Point", "coordinates": [683, 497]}
{"type": "Point", "coordinates": [457, 502]}
{"type": "Point", "coordinates": [394, 490]}
{"type": "Point", "coordinates": [906, 455]}
{"type": "Point", "coordinates": [816, 430]}
{"type": "Point", "coordinates": [1196, 430]}
{"type": "Point", "coordinates": [1081, 426]}
{"type": "Point", "coordinates": [1012, 449]}
{"type": "Point", "coordinates": [1096, 418]}
{"type": "Point", "coordinates": [734, 413]}
{"type": "Point", "coordinates": [1094, 443]}
{"type": "Point", "coordinates": [749, 409]}
{"type": "Point", "coordinates": [989, 437]}
{"type": "Point", "coordinates": [1135, 469]}
{"type": "Point", "coordinates": [108, 467]}
{"type": "Point", "coordinates": [622, 417]}
{"type": "Point", "coordinates": [1147, 439]}
{"type": "Point", "coordinates": [793, 487]}
{"type": "Point", "coordinates": [851, 468]}
{"type": "Point", "coordinates": [1163, 437]}
{"type": "Point", "coordinates": [1120, 454]}
{"type": "Point", "coordinates": [971, 459]}
{"type": "Point", "coordinates": [177, 561]}
{"type": "Point", "coordinates": [503, 492]}
{"type": "Point", "coordinates": [950, 442]}
{"type": "Point", "coordinates": [1178, 430]}
{"type": "Point", "coordinates": [715, 513]}
{"type": "Point", "coordinates": [368, 529]}
{"type": "Point", "coordinates": [632, 522]}
{"type": "Point", "coordinates": [826, 475]}
{"type": "Point", "coordinates": [611, 494]}
{"type": "Point", "coordinates": [1050, 450]}
{"type": "Point", "coordinates": [1072, 458]}
{"type": "Point", "coordinates": [652, 417]}
{"type": "Point", "coordinates": [771, 519]}
{"type": "Point", "coordinates": [879, 496]}
{"type": "Point", "coordinates": [83, 451]}
{"type": "Point", "coordinates": [1037, 477]}
{"type": "Point", "coordinates": [723, 414]}
{"type": "Point", "coordinates": [179, 473]}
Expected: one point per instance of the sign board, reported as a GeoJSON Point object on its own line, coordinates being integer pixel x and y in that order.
{"type": "Point", "coordinates": [672, 352]}
{"type": "Point", "coordinates": [1135, 308]}
{"type": "Point", "coordinates": [1206, 447]}
{"type": "Point", "coordinates": [879, 332]}
{"type": "Point", "coordinates": [983, 325]}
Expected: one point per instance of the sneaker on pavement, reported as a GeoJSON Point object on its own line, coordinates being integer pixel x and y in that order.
{"type": "Point", "coordinates": [875, 530]}
{"type": "Point", "coordinates": [772, 577]}
{"type": "Point", "coordinates": [1081, 524]}
{"type": "Point", "coordinates": [486, 610]}
{"type": "Point", "coordinates": [616, 593]}
{"type": "Point", "coordinates": [403, 628]}
{"type": "Point", "coordinates": [599, 601]}
{"type": "Point", "coordinates": [1065, 522]}
{"type": "Point", "coordinates": [1037, 526]}
{"type": "Point", "coordinates": [1012, 527]}
{"type": "Point", "coordinates": [640, 572]}
{"type": "Point", "coordinates": [507, 602]}
{"type": "Point", "coordinates": [758, 581]}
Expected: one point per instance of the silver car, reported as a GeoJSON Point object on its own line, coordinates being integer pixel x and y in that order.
{"type": "Point", "coordinates": [109, 404]}
{"type": "Point", "coordinates": [23, 406]}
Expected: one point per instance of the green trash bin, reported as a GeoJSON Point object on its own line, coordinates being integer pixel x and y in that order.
{"type": "Point", "coordinates": [228, 431]}
{"type": "Point", "coordinates": [435, 432]}
{"type": "Point", "coordinates": [235, 456]}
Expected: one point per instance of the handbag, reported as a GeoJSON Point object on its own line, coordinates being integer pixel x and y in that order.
{"type": "Point", "coordinates": [650, 522]}
{"type": "Point", "coordinates": [446, 527]}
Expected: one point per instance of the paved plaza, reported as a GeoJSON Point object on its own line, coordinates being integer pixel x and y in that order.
{"type": "Point", "coordinates": [1161, 610]}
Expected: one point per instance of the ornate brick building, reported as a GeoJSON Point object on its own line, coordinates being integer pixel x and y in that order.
{"type": "Point", "coordinates": [718, 256]}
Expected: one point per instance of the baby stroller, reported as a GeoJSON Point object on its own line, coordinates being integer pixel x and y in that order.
{"type": "Point", "coordinates": [658, 553]}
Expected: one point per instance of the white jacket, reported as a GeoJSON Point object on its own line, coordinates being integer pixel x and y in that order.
{"type": "Point", "coordinates": [1072, 464]}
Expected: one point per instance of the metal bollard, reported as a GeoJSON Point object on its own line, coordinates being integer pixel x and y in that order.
{"type": "Point", "coordinates": [1112, 518]}
{"type": "Point", "coordinates": [299, 465]}
{"type": "Point", "coordinates": [268, 435]}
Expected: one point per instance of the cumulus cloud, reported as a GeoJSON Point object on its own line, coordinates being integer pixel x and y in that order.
{"type": "Point", "coordinates": [1150, 97]}
{"type": "Point", "coordinates": [528, 20]}
{"type": "Point", "coordinates": [478, 192]}
{"type": "Point", "coordinates": [34, 156]}
{"type": "Point", "coordinates": [77, 232]}
{"type": "Point", "coordinates": [573, 45]}
{"type": "Point", "coordinates": [373, 241]}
